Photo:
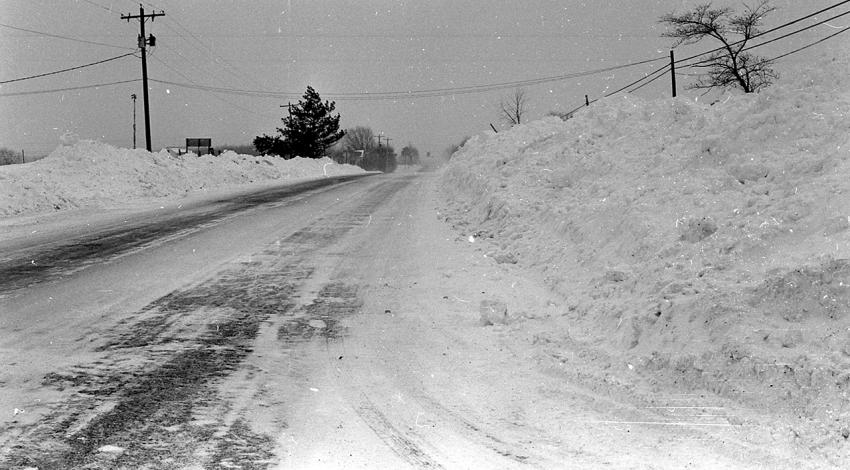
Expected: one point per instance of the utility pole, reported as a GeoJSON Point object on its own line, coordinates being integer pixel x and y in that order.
{"type": "Point", "coordinates": [387, 154]}
{"type": "Point", "coordinates": [143, 43]}
{"type": "Point", "coordinates": [289, 107]}
{"type": "Point", "coordinates": [673, 71]}
{"type": "Point", "coordinates": [134, 119]}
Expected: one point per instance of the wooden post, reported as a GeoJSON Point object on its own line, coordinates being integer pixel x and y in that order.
{"type": "Point", "coordinates": [673, 72]}
{"type": "Point", "coordinates": [586, 100]}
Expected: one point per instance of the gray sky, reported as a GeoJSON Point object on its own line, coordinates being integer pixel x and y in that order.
{"type": "Point", "coordinates": [338, 47]}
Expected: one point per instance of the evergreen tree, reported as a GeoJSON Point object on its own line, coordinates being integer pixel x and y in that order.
{"type": "Point", "coordinates": [308, 131]}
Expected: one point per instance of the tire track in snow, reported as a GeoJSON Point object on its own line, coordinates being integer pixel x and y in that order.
{"type": "Point", "coordinates": [147, 411]}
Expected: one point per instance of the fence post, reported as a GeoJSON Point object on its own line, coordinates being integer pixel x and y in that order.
{"type": "Point", "coordinates": [673, 71]}
{"type": "Point", "coordinates": [23, 158]}
{"type": "Point", "coordinates": [586, 100]}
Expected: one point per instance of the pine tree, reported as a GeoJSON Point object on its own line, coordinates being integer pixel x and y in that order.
{"type": "Point", "coordinates": [308, 131]}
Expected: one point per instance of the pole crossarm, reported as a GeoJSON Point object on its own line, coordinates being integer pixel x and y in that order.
{"type": "Point", "coordinates": [142, 15]}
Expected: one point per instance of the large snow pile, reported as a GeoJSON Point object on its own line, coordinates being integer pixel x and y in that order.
{"type": "Point", "coordinates": [90, 173]}
{"type": "Point", "coordinates": [699, 245]}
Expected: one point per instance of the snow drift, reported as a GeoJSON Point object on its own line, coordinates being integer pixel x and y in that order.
{"type": "Point", "coordinates": [700, 245]}
{"type": "Point", "coordinates": [89, 173]}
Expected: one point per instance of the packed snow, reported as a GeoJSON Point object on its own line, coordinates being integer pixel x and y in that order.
{"type": "Point", "coordinates": [93, 174]}
{"type": "Point", "coordinates": [698, 246]}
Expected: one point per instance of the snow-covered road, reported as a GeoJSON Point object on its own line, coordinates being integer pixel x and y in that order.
{"type": "Point", "coordinates": [334, 327]}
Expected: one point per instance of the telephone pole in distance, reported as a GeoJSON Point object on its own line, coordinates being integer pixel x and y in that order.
{"type": "Point", "coordinates": [133, 96]}
{"type": "Point", "coordinates": [143, 43]}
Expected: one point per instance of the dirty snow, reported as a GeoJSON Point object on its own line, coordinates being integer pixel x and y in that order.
{"type": "Point", "coordinates": [93, 174]}
{"type": "Point", "coordinates": [696, 246]}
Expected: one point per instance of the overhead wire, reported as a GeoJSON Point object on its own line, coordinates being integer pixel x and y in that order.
{"type": "Point", "coordinates": [495, 86]}
{"type": "Point", "coordinates": [73, 88]}
{"type": "Point", "coordinates": [204, 48]}
{"type": "Point", "coordinates": [59, 36]}
{"type": "Point", "coordinates": [98, 5]}
{"type": "Point", "coordinates": [439, 92]}
{"type": "Point", "coordinates": [435, 92]}
{"type": "Point", "coordinates": [660, 72]}
{"type": "Point", "coordinates": [165, 64]}
{"type": "Point", "coordinates": [66, 70]}
{"type": "Point", "coordinates": [214, 96]}
{"type": "Point", "coordinates": [200, 46]}
{"type": "Point", "coordinates": [771, 30]}
{"type": "Point", "coordinates": [784, 36]}
{"type": "Point", "coordinates": [843, 30]}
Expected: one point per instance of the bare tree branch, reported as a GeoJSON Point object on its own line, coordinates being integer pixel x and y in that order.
{"type": "Point", "coordinates": [359, 138]}
{"type": "Point", "coordinates": [730, 67]}
{"type": "Point", "coordinates": [513, 108]}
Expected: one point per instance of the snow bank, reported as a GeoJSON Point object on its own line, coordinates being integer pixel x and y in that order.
{"type": "Point", "coordinates": [89, 173]}
{"type": "Point", "coordinates": [705, 245]}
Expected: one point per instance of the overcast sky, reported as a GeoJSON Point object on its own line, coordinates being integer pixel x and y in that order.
{"type": "Point", "coordinates": [338, 47]}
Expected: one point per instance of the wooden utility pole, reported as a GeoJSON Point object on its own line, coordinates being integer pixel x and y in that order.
{"type": "Point", "coordinates": [387, 154]}
{"type": "Point", "coordinates": [289, 107]}
{"type": "Point", "coordinates": [143, 43]}
{"type": "Point", "coordinates": [133, 96]}
{"type": "Point", "coordinates": [673, 71]}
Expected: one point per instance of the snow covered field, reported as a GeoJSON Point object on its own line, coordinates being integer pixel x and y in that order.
{"type": "Point", "coordinates": [90, 174]}
{"type": "Point", "coordinates": [696, 246]}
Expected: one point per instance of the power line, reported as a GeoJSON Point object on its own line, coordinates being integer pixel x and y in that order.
{"type": "Point", "coordinates": [391, 95]}
{"type": "Point", "coordinates": [763, 33]}
{"type": "Point", "coordinates": [496, 86]}
{"type": "Point", "coordinates": [792, 33]}
{"type": "Point", "coordinates": [214, 96]}
{"type": "Point", "coordinates": [98, 5]}
{"type": "Point", "coordinates": [58, 36]}
{"type": "Point", "coordinates": [75, 88]}
{"type": "Point", "coordinates": [661, 74]}
{"type": "Point", "coordinates": [66, 70]}
{"type": "Point", "coordinates": [797, 32]}
{"type": "Point", "coordinates": [645, 77]}
{"type": "Point", "coordinates": [843, 30]}
{"type": "Point", "coordinates": [228, 68]}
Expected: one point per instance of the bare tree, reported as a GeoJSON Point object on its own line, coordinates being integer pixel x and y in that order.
{"type": "Point", "coordinates": [359, 138]}
{"type": "Point", "coordinates": [730, 66]}
{"type": "Point", "coordinates": [409, 155]}
{"type": "Point", "coordinates": [512, 108]}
